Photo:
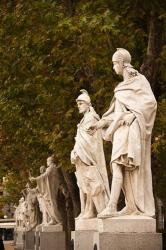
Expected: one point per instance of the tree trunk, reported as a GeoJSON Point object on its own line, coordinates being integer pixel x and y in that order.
{"type": "Point", "coordinates": [150, 64]}
{"type": "Point", "coordinates": [70, 7]}
{"type": "Point", "coordinates": [73, 190]}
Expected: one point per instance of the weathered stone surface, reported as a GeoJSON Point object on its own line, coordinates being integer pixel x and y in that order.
{"type": "Point", "coordinates": [82, 240]}
{"type": "Point", "coordinates": [52, 241]}
{"type": "Point", "coordinates": [52, 228]}
{"type": "Point", "coordinates": [37, 240]}
{"type": "Point", "coordinates": [19, 239]}
{"type": "Point", "coordinates": [127, 224]}
{"type": "Point", "coordinates": [29, 240]}
{"type": "Point", "coordinates": [88, 224]}
{"type": "Point", "coordinates": [127, 241]}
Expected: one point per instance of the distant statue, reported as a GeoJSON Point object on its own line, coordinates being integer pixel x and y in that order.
{"type": "Point", "coordinates": [27, 214]}
{"type": "Point", "coordinates": [20, 213]}
{"type": "Point", "coordinates": [32, 214]}
{"type": "Point", "coordinates": [88, 157]}
{"type": "Point", "coordinates": [42, 203]}
{"type": "Point", "coordinates": [47, 187]}
{"type": "Point", "coordinates": [128, 125]}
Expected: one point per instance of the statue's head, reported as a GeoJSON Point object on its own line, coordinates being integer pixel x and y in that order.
{"type": "Point", "coordinates": [83, 101]}
{"type": "Point", "coordinates": [42, 169]}
{"type": "Point", "coordinates": [52, 160]}
{"type": "Point", "coordinates": [27, 186]}
{"type": "Point", "coordinates": [21, 200]}
{"type": "Point", "coordinates": [121, 59]}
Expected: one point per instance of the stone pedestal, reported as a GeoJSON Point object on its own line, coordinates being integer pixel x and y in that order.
{"type": "Point", "coordinates": [37, 240]}
{"type": "Point", "coordinates": [86, 224]}
{"type": "Point", "coordinates": [29, 240]}
{"type": "Point", "coordinates": [19, 239]}
{"type": "Point", "coordinates": [82, 237]}
{"type": "Point", "coordinates": [50, 237]}
{"type": "Point", "coordinates": [127, 224]}
{"type": "Point", "coordinates": [52, 228]}
{"type": "Point", "coordinates": [127, 241]}
{"type": "Point", "coordinates": [52, 241]}
{"type": "Point", "coordinates": [82, 240]}
{"type": "Point", "coordinates": [127, 233]}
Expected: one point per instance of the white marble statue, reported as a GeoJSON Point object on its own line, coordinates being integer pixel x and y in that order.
{"type": "Point", "coordinates": [42, 203]}
{"type": "Point", "coordinates": [27, 214]}
{"type": "Point", "coordinates": [20, 212]}
{"type": "Point", "coordinates": [88, 157]}
{"type": "Point", "coordinates": [128, 125]}
{"type": "Point", "coordinates": [47, 186]}
{"type": "Point", "coordinates": [32, 213]}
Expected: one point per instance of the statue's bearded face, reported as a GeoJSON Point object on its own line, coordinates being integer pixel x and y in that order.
{"type": "Point", "coordinates": [83, 107]}
{"type": "Point", "coordinates": [118, 67]}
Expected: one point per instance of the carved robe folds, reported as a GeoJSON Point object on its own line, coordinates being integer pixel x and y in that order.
{"type": "Point", "coordinates": [88, 157]}
{"type": "Point", "coordinates": [132, 144]}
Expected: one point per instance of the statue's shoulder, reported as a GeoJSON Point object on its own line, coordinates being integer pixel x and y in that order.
{"type": "Point", "coordinates": [93, 115]}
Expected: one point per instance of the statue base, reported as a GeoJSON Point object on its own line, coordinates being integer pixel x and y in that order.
{"type": "Point", "coordinates": [86, 224]}
{"type": "Point", "coordinates": [128, 233]}
{"type": "Point", "coordinates": [19, 238]}
{"type": "Point", "coordinates": [127, 224]}
{"type": "Point", "coordinates": [52, 240]}
{"type": "Point", "coordinates": [52, 228]}
{"type": "Point", "coordinates": [82, 237]}
{"type": "Point", "coordinates": [50, 237]}
{"type": "Point", "coordinates": [29, 240]}
{"type": "Point", "coordinates": [127, 241]}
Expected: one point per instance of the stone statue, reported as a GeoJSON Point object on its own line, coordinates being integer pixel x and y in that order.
{"type": "Point", "coordinates": [47, 186]}
{"type": "Point", "coordinates": [32, 214]}
{"type": "Point", "coordinates": [20, 212]}
{"type": "Point", "coordinates": [27, 214]}
{"type": "Point", "coordinates": [42, 204]}
{"type": "Point", "coordinates": [128, 125]}
{"type": "Point", "coordinates": [88, 157]}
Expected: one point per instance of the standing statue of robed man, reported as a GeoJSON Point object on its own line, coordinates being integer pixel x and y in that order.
{"type": "Point", "coordinates": [47, 186]}
{"type": "Point", "coordinates": [128, 124]}
{"type": "Point", "coordinates": [88, 157]}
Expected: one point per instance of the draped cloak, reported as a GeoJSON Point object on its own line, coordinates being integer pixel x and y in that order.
{"type": "Point", "coordinates": [32, 213]}
{"type": "Point", "coordinates": [131, 145]}
{"type": "Point", "coordinates": [89, 148]}
{"type": "Point", "coordinates": [47, 185]}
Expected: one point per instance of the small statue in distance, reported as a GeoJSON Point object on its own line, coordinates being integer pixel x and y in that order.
{"type": "Point", "coordinates": [47, 187]}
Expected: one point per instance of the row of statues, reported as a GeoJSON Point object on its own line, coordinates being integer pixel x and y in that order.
{"type": "Point", "coordinates": [38, 206]}
{"type": "Point", "coordinates": [128, 124]}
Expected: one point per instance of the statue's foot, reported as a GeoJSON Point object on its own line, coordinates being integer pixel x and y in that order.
{"type": "Point", "coordinates": [60, 223]}
{"type": "Point", "coordinates": [79, 216]}
{"type": "Point", "coordinates": [51, 222]}
{"type": "Point", "coordinates": [108, 212]}
{"type": "Point", "coordinates": [42, 224]}
{"type": "Point", "coordinates": [88, 216]}
{"type": "Point", "coordinates": [128, 211]}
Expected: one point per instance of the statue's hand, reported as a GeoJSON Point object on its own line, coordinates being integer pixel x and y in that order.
{"type": "Point", "coordinates": [100, 124]}
{"type": "Point", "coordinates": [128, 119]}
{"type": "Point", "coordinates": [92, 129]}
{"type": "Point", "coordinates": [32, 179]}
{"type": "Point", "coordinates": [73, 157]}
